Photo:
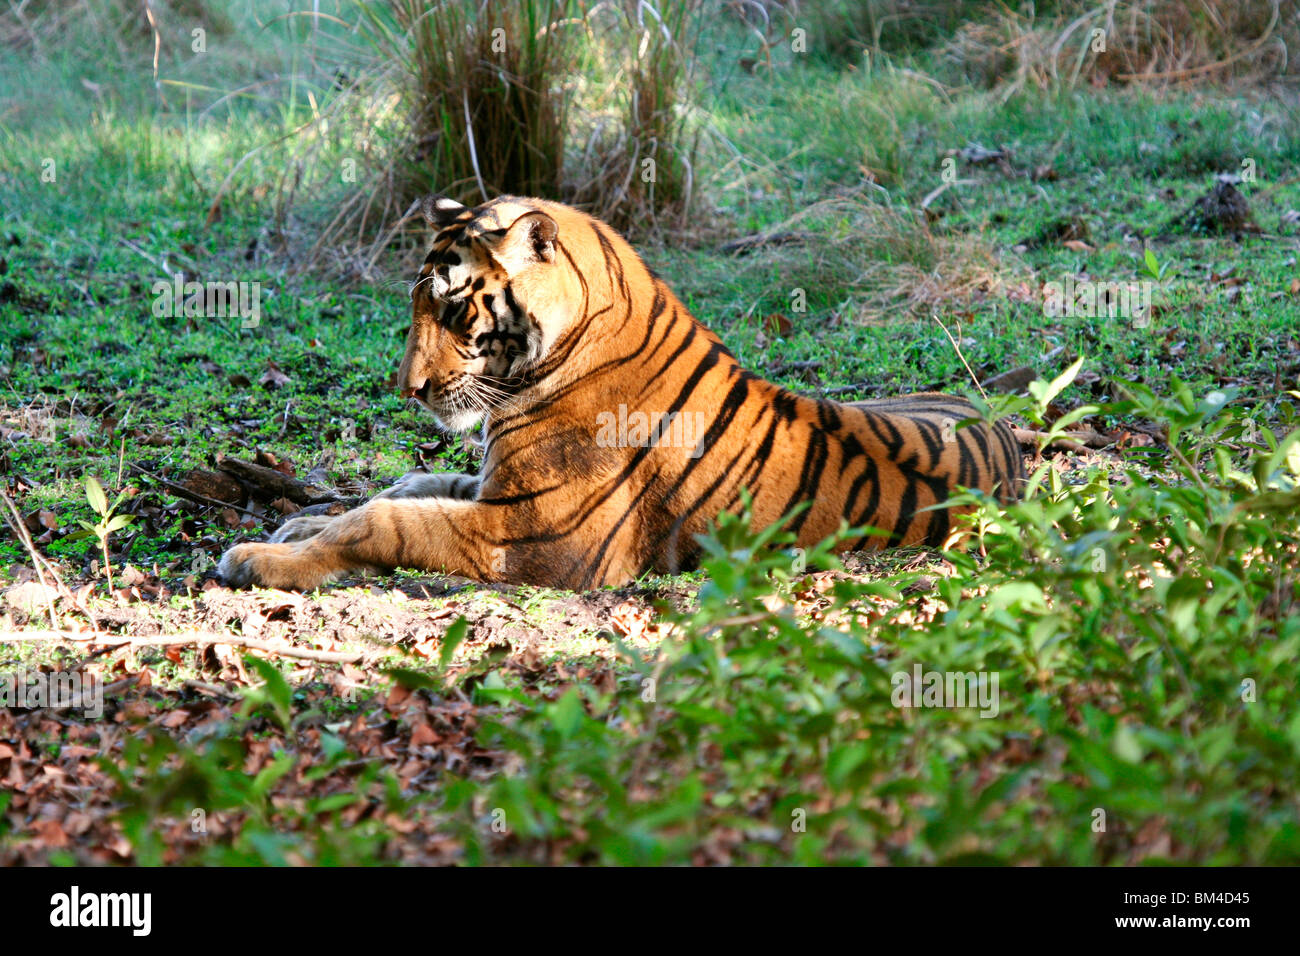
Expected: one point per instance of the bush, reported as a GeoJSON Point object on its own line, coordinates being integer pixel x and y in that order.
{"type": "Point", "coordinates": [1140, 630]}
{"type": "Point", "coordinates": [529, 97]}
{"type": "Point", "coordinates": [637, 172]}
{"type": "Point", "coordinates": [462, 98]}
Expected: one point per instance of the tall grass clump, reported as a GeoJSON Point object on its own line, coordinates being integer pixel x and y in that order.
{"type": "Point", "coordinates": [1147, 42]}
{"type": "Point", "coordinates": [483, 84]}
{"type": "Point", "coordinates": [634, 166]}
{"type": "Point", "coordinates": [563, 99]}
{"type": "Point", "coordinates": [468, 98]}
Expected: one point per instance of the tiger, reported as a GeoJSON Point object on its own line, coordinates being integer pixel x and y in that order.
{"type": "Point", "coordinates": [616, 428]}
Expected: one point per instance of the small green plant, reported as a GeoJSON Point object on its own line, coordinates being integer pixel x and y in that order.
{"type": "Point", "coordinates": [273, 699]}
{"type": "Point", "coordinates": [108, 521]}
{"type": "Point", "coordinates": [1153, 269]}
{"type": "Point", "coordinates": [1037, 405]}
{"type": "Point", "coordinates": [168, 791]}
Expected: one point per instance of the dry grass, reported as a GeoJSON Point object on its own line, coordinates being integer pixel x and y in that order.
{"type": "Point", "coordinates": [466, 98]}
{"type": "Point", "coordinates": [585, 103]}
{"type": "Point", "coordinates": [636, 165]}
{"type": "Point", "coordinates": [890, 259]}
{"type": "Point", "coordinates": [1149, 42]}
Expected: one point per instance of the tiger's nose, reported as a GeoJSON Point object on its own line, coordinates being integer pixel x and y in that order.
{"type": "Point", "coordinates": [414, 391]}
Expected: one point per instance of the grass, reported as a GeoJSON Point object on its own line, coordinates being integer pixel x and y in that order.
{"type": "Point", "coordinates": [1122, 681]}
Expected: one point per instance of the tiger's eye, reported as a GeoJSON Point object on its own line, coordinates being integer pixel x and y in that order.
{"type": "Point", "coordinates": [455, 315]}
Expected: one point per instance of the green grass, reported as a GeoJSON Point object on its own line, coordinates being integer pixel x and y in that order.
{"type": "Point", "coordinates": [1122, 685]}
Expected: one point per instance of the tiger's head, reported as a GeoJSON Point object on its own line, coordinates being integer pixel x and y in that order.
{"type": "Point", "coordinates": [488, 304]}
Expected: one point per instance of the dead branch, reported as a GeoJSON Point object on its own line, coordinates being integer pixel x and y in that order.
{"type": "Point", "coordinates": [1010, 381]}
{"type": "Point", "coordinates": [1069, 441]}
{"type": "Point", "coordinates": [270, 484]}
{"type": "Point", "coordinates": [184, 492]}
{"type": "Point", "coordinates": [14, 519]}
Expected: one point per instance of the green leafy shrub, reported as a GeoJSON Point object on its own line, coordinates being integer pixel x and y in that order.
{"type": "Point", "coordinates": [1142, 628]}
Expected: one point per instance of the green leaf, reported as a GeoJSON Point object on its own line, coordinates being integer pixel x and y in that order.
{"type": "Point", "coordinates": [845, 759]}
{"type": "Point", "coordinates": [567, 714]}
{"type": "Point", "coordinates": [452, 640]}
{"type": "Point", "coordinates": [335, 801]}
{"type": "Point", "coordinates": [1153, 267]}
{"type": "Point", "coordinates": [411, 680]}
{"type": "Point", "coordinates": [268, 775]}
{"type": "Point", "coordinates": [1074, 415]}
{"type": "Point", "coordinates": [1025, 593]}
{"type": "Point", "coordinates": [1044, 394]}
{"type": "Point", "coordinates": [1125, 744]}
{"type": "Point", "coordinates": [118, 521]}
{"type": "Point", "coordinates": [276, 691]}
{"type": "Point", "coordinates": [95, 495]}
{"type": "Point", "coordinates": [1287, 454]}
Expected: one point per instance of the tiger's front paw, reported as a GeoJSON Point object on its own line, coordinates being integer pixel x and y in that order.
{"type": "Point", "coordinates": [270, 566]}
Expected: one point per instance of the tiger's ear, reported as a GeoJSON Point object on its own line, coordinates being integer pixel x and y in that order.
{"type": "Point", "coordinates": [439, 211]}
{"type": "Point", "coordinates": [530, 238]}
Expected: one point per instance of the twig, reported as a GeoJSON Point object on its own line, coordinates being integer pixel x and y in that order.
{"type": "Point", "coordinates": [198, 637]}
{"type": "Point", "coordinates": [938, 191]}
{"type": "Point", "coordinates": [159, 264]}
{"type": "Point", "coordinates": [19, 528]}
{"type": "Point", "coordinates": [284, 425]}
{"type": "Point", "coordinates": [271, 484]}
{"type": "Point", "coordinates": [212, 690]}
{"type": "Point", "coordinates": [973, 377]}
{"type": "Point", "coordinates": [785, 368]}
{"type": "Point", "coordinates": [1071, 440]}
{"type": "Point", "coordinates": [473, 151]}
{"type": "Point", "coordinates": [157, 42]}
{"type": "Point", "coordinates": [759, 240]}
{"type": "Point", "coordinates": [80, 700]}
{"type": "Point", "coordinates": [845, 389]}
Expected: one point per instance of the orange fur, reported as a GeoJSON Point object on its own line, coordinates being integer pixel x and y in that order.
{"type": "Point", "coordinates": [544, 322]}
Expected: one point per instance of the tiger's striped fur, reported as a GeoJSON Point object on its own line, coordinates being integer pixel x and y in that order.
{"type": "Point", "coordinates": [543, 321]}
